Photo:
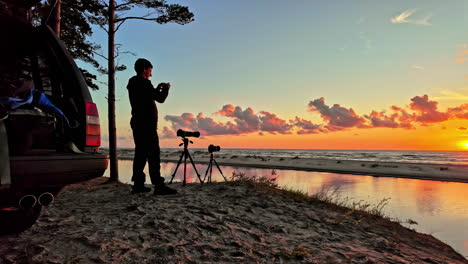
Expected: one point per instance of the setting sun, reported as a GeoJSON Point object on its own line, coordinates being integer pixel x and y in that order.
{"type": "Point", "coordinates": [464, 144]}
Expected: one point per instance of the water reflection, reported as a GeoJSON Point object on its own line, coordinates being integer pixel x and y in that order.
{"type": "Point", "coordinates": [332, 180]}
{"type": "Point", "coordinates": [428, 202]}
{"type": "Point", "coordinates": [439, 207]}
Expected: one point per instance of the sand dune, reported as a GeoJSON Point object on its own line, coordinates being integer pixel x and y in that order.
{"type": "Point", "coordinates": [212, 223]}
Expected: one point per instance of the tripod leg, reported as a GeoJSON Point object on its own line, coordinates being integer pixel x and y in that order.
{"type": "Point", "coordinates": [185, 168]}
{"type": "Point", "coordinates": [211, 171]}
{"type": "Point", "coordinates": [206, 173]}
{"type": "Point", "coordinates": [220, 170]}
{"type": "Point", "coordinates": [193, 164]}
{"type": "Point", "coordinates": [178, 164]}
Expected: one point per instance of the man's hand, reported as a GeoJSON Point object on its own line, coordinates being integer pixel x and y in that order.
{"type": "Point", "coordinates": [164, 85]}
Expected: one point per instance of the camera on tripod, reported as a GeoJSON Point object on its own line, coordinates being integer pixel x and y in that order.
{"type": "Point", "coordinates": [185, 154]}
{"type": "Point", "coordinates": [184, 134]}
{"type": "Point", "coordinates": [212, 148]}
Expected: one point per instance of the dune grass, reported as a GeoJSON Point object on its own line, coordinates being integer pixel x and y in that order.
{"type": "Point", "coordinates": [330, 196]}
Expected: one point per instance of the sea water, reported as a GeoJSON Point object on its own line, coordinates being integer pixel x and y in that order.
{"type": "Point", "coordinates": [439, 157]}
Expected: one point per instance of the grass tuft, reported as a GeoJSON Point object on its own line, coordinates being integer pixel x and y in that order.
{"type": "Point", "coordinates": [331, 196]}
{"type": "Point", "coordinates": [259, 181]}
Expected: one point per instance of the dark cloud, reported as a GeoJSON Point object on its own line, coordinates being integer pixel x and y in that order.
{"type": "Point", "coordinates": [210, 127]}
{"type": "Point", "coordinates": [207, 126]}
{"type": "Point", "coordinates": [398, 119]}
{"type": "Point", "coordinates": [336, 116]}
{"type": "Point", "coordinates": [247, 121]}
{"type": "Point", "coordinates": [186, 121]}
{"type": "Point", "coordinates": [273, 124]}
{"type": "Point", "coordinates": [426, 111]}
{"type": "Point", "coordinates": [381, 119]}
{"type": "Point", "coordinates": [306, 126]}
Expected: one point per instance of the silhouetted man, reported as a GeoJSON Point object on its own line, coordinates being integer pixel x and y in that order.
{"type": "Point", "coordinates": [144, 124]}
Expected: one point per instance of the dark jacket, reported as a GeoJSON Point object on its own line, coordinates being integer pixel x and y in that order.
{"type": "Point", "coordinates": [142, 95]}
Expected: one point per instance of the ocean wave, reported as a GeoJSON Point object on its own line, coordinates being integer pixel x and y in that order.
{"type": "Point", "coordinates": [437, 157]}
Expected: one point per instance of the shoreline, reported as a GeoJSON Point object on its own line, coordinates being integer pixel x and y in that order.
{"type": "Point", "coordinates": [422, 171]}
{"type": "Point", "coordinates": [227, 222]}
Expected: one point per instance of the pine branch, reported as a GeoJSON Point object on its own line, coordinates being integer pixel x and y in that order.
{"type": "Point", "coordinates": [120, 21]}
{"type": "Point", "coordinates": [118, 26]}
{"type": "Point", "coordinates": [100, 55]}
{"type": "Point", "coordinates": [137, 18]}
{"type": "Point", "coordinates": [100, 21]}
{"type": "Point", "coordinates": [127, 4]}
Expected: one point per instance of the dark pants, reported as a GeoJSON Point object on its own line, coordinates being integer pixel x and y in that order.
{"type": "Point", "coordinates": [146, 149]}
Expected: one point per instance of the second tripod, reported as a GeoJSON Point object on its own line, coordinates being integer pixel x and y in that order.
{"type": "Point", "coordinates": [210, 168]}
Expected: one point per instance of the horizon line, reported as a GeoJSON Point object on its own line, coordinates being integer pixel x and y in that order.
{"type": "Point", "coordinates": [312, 149]}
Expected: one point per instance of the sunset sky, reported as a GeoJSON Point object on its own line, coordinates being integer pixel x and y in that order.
{"type": "Point", "coordinates": [336, 74]}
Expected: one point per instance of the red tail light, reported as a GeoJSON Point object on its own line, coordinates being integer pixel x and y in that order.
{"type": "Point", "coordinates": [93, 129]}
{"type": "Point", "coordinates": [91, 109]}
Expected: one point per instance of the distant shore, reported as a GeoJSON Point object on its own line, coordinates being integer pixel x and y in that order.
{"type": "Point", "coordinates": [425, 171]}
{"type": "Point", "coordinates": [229, 222]}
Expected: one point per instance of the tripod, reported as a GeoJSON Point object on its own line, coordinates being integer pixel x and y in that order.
{"type": "Point", "coordinates": [210, 169]}
{"type": "Point", "coordinates": [184, 155]}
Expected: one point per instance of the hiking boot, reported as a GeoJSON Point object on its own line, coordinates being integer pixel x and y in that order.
{"type": "Point", "coordinates": [164, 190]}
{"type": "Point", "coordinates": [140, 189]}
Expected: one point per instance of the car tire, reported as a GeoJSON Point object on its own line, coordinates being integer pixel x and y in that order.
{"type": "Point", "coordinates": [14, 222]}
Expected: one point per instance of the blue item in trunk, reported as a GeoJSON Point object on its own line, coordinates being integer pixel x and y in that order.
{"type": "Point", "coordinates": [35, 98]}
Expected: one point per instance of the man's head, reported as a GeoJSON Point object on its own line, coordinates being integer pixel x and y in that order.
{"type": "Point", "coordinates": [143, 68]}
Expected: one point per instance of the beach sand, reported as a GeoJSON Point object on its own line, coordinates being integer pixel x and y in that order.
{"type": "Point", "coordinates": [231, 222]}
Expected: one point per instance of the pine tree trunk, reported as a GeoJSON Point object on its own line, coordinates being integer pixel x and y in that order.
{"type": "Point", "coordinates": [114, 172]}
{"type": "Point", "coordinates": [55, 16]}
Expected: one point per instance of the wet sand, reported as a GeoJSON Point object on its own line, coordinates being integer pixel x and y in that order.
{"type": "Point", "coordinates": [229, 222]}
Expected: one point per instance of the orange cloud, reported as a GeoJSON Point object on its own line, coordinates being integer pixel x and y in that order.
{"type": "Point", "coordinates": [460, 112]}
